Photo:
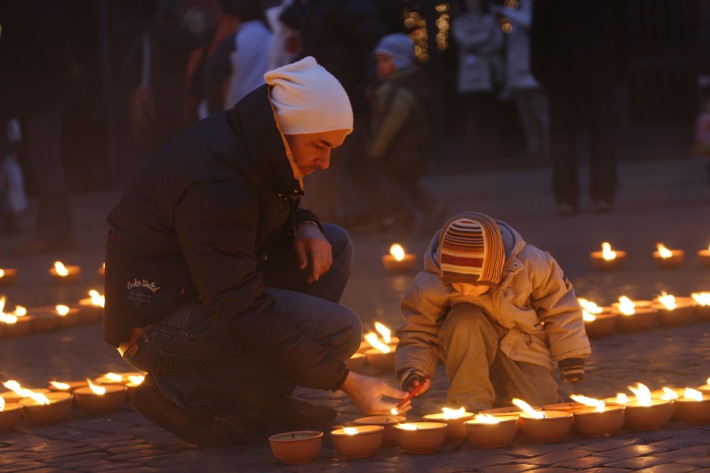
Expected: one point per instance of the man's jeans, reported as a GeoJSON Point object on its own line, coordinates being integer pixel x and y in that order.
{"type": "Point", "coordinates": [193, 362]}
{"type": "Point", "coordinates": [481, 376]}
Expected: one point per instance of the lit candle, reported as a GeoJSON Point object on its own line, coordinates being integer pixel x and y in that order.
{"type": "Point", "coordinates": [47, 408]}
{"type": "Point", "coordinates": [598, 322]}
{"type": "Point", "coordinates": [702, 305]}
{"type": "Point", "coordinates": [10, 415]}
{"type": "Point", "coordinates": [420, 437]}
{"type": "Point", "coordinates": [68, 316]}
{"type": "Point", "coordinates": [674, 311]}
{"type": "Point", "coordinates": [488, 431]}
{"type": "Point", "coordinates": [704, 257]}
{"type": "Point", "coordinates": [382, 354]}
{"type": "Point", "coordinates": [666, 258]}
{"type": "Point", "coordinates": [398, 259]}
{"type": "Point", "coordinates": [608, 258]}
{"type": "Point", "coordinates": [597, 420]}
{"type": "Point", "coordinates": [64, 274]}
{"type": "Point", "coordinates": [547, 426]}
{"type": "Point", "coordinates": [91, 308]}
{"type": "Point", "coordinates": [97, 399]}
{"type": "Point", "coordinates": [454, 419]}
{"type": "Point", "coordinates": [634, 316]}
{"type": "Point", "coordinates": [14, 323]}
{"type": "Point", "coordinates": [358, 442]}
{"type": "Point", "coordinates": [387, 422]}
{"type": "Point", "coordinates": [647, 413]}
{"type": "Point", "coordinates": [7, 276]}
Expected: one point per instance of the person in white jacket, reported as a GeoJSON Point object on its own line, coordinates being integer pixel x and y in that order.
{"type": "Point", "coordinates": [497, 311]}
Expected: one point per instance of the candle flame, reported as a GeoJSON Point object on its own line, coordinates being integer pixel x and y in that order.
{"type": "Point", "coordinates": [376, 343]}
{"type": "Point", "coordinates": [597, 404]}
{"type": "Point", "coordinates": [663, 252]}
{"type": "Point", "coordinates": [16, 387]}
{"type": "Point", "coordinates": [693, 394]}
{"type": "Point", "coordinates": [408, 427]}
{"type": "Point", "coordinates": [384, 331]}
{"type": "Point", "coordinates": [2, 272]}
{"type": "Point", "coordinates": [394, 411]}
{"type": "Point", "coordinates": [60, 386]}
{"type": "Point", "coordinates": [702, 298]}
{"type": "Point", "coordinates": [607, 253]}
{"type": "Point", "coordinates": [95, 388]}
{"type": "Point", "coordinates": [486, 419]}
{"type": "Point", "coordinates": [622, 399]}
{"type": "Point", "coordinates": [626, 306]}
{"type": "Point", "coordinates": [96, 298]}
{"type": "Point", "coordinates": [668, 300]}
{"type": "Point", "coordinates": [2, 403]}
{"type": "Point", "coordinates": [643, 394]}
{"type": "Point", "coordinates": [62, 310]}
{"type": "Point", "coordinates": [528, 409]}
{"type": "Point", "coordinates": [397, 251]}
{"type": "Point", "coordinates": [351, 430]}
{"type": "Point", "coordinates": [587, 316]}
{"type": "Point", "coordinates": [453, 413]}
{"type": "Point", "coordinates": [136, 379]}
{"type": "Point", "coordinates": [115, 377]}
{"type": "Point", "coordinates": [590, 306]}
{"type": "Point", "coordinates": [60, 268]}
{"type": "Point", "coordinates": [668, 394]}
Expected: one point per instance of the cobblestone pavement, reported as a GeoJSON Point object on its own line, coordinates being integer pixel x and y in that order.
{"type": "Point", "coordinates": [659, 201]}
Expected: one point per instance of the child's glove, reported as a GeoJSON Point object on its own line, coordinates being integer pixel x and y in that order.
{"type": "Point", "coordinates": [411, 379]}
{"type": "Point", "coordinates": [571, 370]}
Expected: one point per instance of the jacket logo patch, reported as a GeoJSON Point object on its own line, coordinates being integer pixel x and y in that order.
{"type": "Point", "coordinates": [140, 291]}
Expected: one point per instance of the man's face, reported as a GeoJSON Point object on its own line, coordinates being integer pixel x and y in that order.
{"type": "Point", "coordinates": [311, 151]}
{"type": "Point", "coordinates": [469, 290]}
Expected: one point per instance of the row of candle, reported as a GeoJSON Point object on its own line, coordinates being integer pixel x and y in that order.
{"type": "Point", "coordinates": [665, 258]}
{"type": "Point", "coordinates": [49, 405]}
{"type": "Point", "coordinates": [499, 427]}
{"type": "Point", "coordinates": [60, 272]}
{"type": "Point", "coordinates": [22, 321]}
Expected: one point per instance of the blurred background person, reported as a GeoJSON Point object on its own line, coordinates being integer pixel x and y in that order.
{"type": "Point", "coordinates": [285, 42]}
{"type": "Point", "coordinates": [480, 74]}
{"type": "Point", "coordinates": [578, 54]}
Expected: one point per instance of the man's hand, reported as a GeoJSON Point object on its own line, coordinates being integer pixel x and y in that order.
{"type": "Point", "coordinates": [367, 393]}
{"type": "Point", "coordinates": [310, 242]}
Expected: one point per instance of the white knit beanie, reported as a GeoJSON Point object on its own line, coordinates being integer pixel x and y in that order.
{"type": "Point", "coordinates": [308, 99]}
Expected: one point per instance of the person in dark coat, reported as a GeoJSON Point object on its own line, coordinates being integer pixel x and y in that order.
{"type": "Point", "coordinates": [221, 287]}
{"type": "Point", "coordinates": [578, 54]}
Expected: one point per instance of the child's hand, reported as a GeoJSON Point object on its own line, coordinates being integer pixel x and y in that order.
{"type": "Point", "coordinates": [571, 370]}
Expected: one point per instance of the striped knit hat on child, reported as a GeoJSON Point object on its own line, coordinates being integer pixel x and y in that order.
{"type": "Point", "coordinates": [471, 250]}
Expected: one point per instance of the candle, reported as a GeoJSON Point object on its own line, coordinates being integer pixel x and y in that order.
{"type": "Point", "coordinates": [693, 407]}
{"type": "Point", "coordinates": [608, 258]}
{"type": "Point", "coordinates": [10, 415]}
{"type": "Point", "coordinates": [634, 316]}
{"type": "Point", "coordinates": [704, 257]}
{"type": "Point", "coordinates": [68, 317]}
{"type": "Point", "coordinates": [96, 399]}
{"type": "Point", "coordinates": [597, 420]}
{"type": "Point", "coordinates": [398, 259]}
{"type": "Point", "coordinates": [91, 308]}
{"type": "Point", "coordinates": [358, 442]}
{"type": "Point", "coordinates": [702, 305]}
{"type": "Point", "coordinates": [420, 437]}
{"type": "Point", "coordinates": [296, 447]}
{"type": "Point", "coordinates": [547, 426]}
{"type": "Point", "coordinates": [14, 323]}
{"type": "Point", "coordinates": [66, 386]}
{"type": "Point", "coordinates": [646, 413]}
{"type": "Point", "coordinates": [47, 408]}
{"type": "Point", "coordinates": [674, 311]}
{"type": "Point", "coordinates": [64, 274]}
{"type": "Point", "coordinates": [17, 392]}
{"type": "Point", "coordinates": [43, 322]}
{"type": "Point", "coordinates": [705, 388]}
{"type": "Point", "coordinates": [454, 420]}
{"type": "Point", "coordinates": [598, 322]}
{"type": "Point", "coordinates": [382, 354]}
{"type": "Point", "coordinates": [387, 422]}
{"type": "Point", "coordinates": [7, 276]}
{"type": "Point", "coordinates": [488, 431]}
{"type": "Point", "coordinates": [666, 258]}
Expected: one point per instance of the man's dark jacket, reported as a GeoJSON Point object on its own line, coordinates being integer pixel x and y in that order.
{"type": "Point", "coordinates": [196, 223]}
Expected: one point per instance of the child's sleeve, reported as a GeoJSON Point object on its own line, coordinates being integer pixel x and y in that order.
{"type": "Point", "coordinates": [423, 307]}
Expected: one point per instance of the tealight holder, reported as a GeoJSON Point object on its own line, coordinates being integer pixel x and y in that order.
{"type": "Point", "coordinates": [358, 442]}
{"type": "Point", "coordinates": [7, 276]}
{"type": "Point", "coordinates": [21, 327]}
{"type": "Point", "coordinates": [70, 319]}
{"type": "Point", "coordinates": [384, 362]}
{"type": "Point", "coordinates": [571, 406]}
{"type": "Point", "coordinates": [43, 322]}
{"type": "Point", "coordinates": [117, 378]}
{"type": "Point", "coordinates": [387, 422]}
{"type": "Point", "coordinates": [356, 362]}
{"type": "Point", "coordinates": [702, 312]}
{"type": "Point", "coordinates": [10, 416]}
{"type": "Point", "coordinates": [704, 258]}
{"type": "Point", "coordinates": [705, 388]}
{"type": "Point", "coordinates": [403, 265]}
{"type": "Point", "coordinates": [643, 318]}
{"type": "Point", "coordinates": [492, 434]}
{"type": "Point", "coordinates": [455, 428]}
{"type": "Point", "coordinates": [599, 262]}
{"type": "Point", "coordinates": [682, 314]}
{"type": "Point", "coordinates": [602, 325]}
{"type": "Point", "coordinates": [93, 402]}
{"type": "Point", "coordinates": [553, 427]}
{"type": "Point", "coordinates": [655, 416]}
{"type": "Point", "coordinates": [298, 447]}
{"type": "Point", "coordinates": [673, 261]}
{"type": "Point", "coordinates": [591, 423]}
{"type": "Point", "coordinates": [72, 275]}
{"type": "Point", "coordinates": [692, 411]}
{"type": "Point", "coordinates": [59, 406]}
{"type": "Point", "coordinates": [88, 311]}
{"type": "Point", "coordinates": [420, 437]}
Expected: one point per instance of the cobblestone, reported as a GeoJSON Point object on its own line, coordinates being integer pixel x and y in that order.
{"type": "Point", "coordinates": [658, 201]}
